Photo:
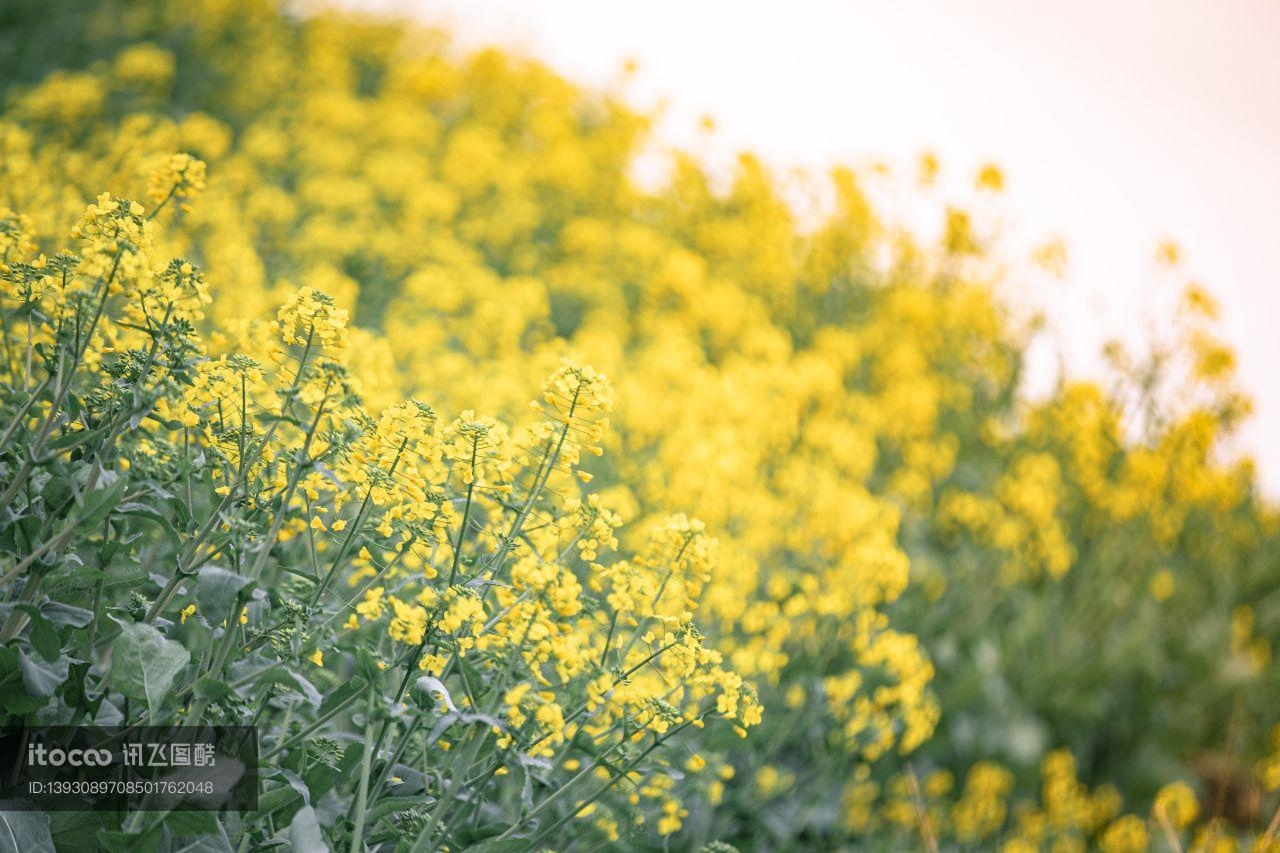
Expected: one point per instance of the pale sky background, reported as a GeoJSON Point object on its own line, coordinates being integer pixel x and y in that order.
{"type": "Point", "coordinates": [1118, 125]}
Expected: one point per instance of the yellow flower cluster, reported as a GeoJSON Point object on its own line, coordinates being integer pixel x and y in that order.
{"type": "Point", "coordinates": [181, 177]}
{"type": "Point", "coordinates": [1268, 769]}
{"type": "Point", "coordinates": [300, 464]}
{"type": "Point", "coordinates": [836, 403]}
{"type": "Point", "coordinates": [1020, 520]}
{"type": "Point", "coordinates": [426, 232]}
{"type": "Point", "coordinates": [981, 810]}
{"type": "Point", "coordinates": [311, 319]}
{"type": "Point", "coordinates": [987, 812]}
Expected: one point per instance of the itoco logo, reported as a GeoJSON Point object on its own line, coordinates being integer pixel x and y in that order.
{"type": "Point", "coordinates": [40, 755]}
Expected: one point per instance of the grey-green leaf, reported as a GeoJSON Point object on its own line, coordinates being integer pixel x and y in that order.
{"type": "Point", "coordinates": [144, 663]}
{"type": "Point", "coordinates": [216, 591]}
{"type": "Point", "coordinates": [62, 615]}
{"type": "Point", "coordinates": [40, 677]}
{"type": "Point", "coordinates": [25, 832]}
{"type": "Point", "coordinates": [215, 843]}
{"type": "Point", "coordinates": [304, 832]}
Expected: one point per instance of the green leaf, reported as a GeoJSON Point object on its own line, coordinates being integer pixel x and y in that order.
{"type": "Point", "coordinates": [144, 664]}
{"type": "Point", "coordinates": [302, 573]}
{"type": "Point", "coordinates": [215, 842]}
{"type": "Point", "coordinates": [75, 832]}
{"type": "Point", "coordinates": [367, 663]}
{"type": "Point", "coordinates": [56, 491]}
{"type": "Point", "coordinates": [391, 805]}
{"type": "Point", "coordinates": [430, 686]}
{"type": "Point", "coordinates": [216, 592]}
{"type": "Point", "coordinates": [40, 677]}
{"type": "Point", "coordinates": [14, 697]}
{"type": "Point", "coordinates": [296, 783]}
{"type": "Point", "coordinates": [63, 615]}
{"type": "Point", "coordinates": [75, 695]}
{"type": "Point", "coordinates": [29, 529]}
{"type": "Point", "coordinates": [350, 758]}
{"type": "Point", "coordinates": [209, 687]}
{"type": "Point", "coordinates": [142, 510]}
{"type": "Point", "coordinates": [125, 572]}
{"type": "Point", "coordinates": [147, 839]}
{"type": "Point", "coordinates": [45, 637]}
{"type": "Point", "coordinates": [293, 679]}
{"type": "Point", "coordinates": [25, 832]}
{"type": "Point", "coordinates": [308, 689]}
{"type": "Point", "coordinates": [304, 832]}
{"type": "Point", "coordinates": [340, 696]}
{"type": "Point", "coordinates": [276, 799]}
{"type": "Point", "coordinates": [71, 438]}
{"type": "Point", "coordinates": [183, 823]}
{"type": "Point", "coordinates": [102, 501]}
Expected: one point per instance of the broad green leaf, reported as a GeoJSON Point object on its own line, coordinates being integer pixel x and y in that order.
{"type": "Point", "coordinates": [103, 500]}
{"type": "Point", "coordinates": [144, 663]}
{"type": "Point", "coordinates": [350, 758]}
{"type": "Point", "coordinates": [342, 695]}
{"type": "Point", "coordinates": [125, 572]}
{"type": "Point", "coordinates": [304, 832]}
{"type": "Point", "coordinates": [44, 636]}
{"type": "Point", "coordinates": [276, 799]}
{"type": "Point", "coordinates": [63, 615]}
{"type": "Point", "coordinates": [308, 689]}
{"type": "Point", "coordinates": [147, 839]}
{"type": "Point", "coordinates": [294, 781]}
{"type": "Point", "coordinates": [187, 823]}
{"type": "Point", "coordinates": [56, 491]}
{"type": "Point", "coordinates": [75, 832]}
{"type": "Point", "coordinates": [216, 591]}
{"type": "Point", "coordinates": [25, 832]}
{"type": "Point", "coordinates": [71, 438]}
{"type": "Point", "coordinates": [209, 687]}
{"type": "Point", "coordinates": [76, 695]}
{"type": "Point", "coordinates": [40, 677]}
{"type": "Point", "coordinates": [216, 842]}
{"type": "Point", "coordinates": [14, 696]}
{"type": "Point", "coordinates": [143, 510]}
{"type": "Point", "coordinates": [289, 678]}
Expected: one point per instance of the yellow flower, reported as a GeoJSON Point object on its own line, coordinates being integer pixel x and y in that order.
{"type": "Point", "coordinates": [1177, 804]}
{"type": "Point", "coordinates": [371, 604]}
{"type": "Point", "coordinates": [1126, 835]}
{"type": "Point", "coordinates": [1162, 585]}
{"type": "Point", "coordinates": [181, 177]}
{"type": "Point", "coordinates": [408, 621]}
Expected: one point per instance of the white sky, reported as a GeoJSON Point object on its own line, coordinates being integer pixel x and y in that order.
{"type": "Point", "coordinates": [1118, 125]}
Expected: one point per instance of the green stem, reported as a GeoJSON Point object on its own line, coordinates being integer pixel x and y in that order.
{"type": "Point", "coordinates": [355, 528]}
{"type": "Point", "coordinates": [466, 512]}
{"type": "Point", "coordinates": [362, 792]}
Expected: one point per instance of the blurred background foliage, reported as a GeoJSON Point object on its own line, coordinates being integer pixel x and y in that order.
{"type": "Point", "coordinates": [926, 572]}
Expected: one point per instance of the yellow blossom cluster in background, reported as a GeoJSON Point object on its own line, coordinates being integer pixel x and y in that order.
{"type": "Point", "coordinates": [997, 620]}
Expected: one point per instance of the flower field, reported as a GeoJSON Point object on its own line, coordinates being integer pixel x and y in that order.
{"type": "Point", "coordinates": [353, 389]}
